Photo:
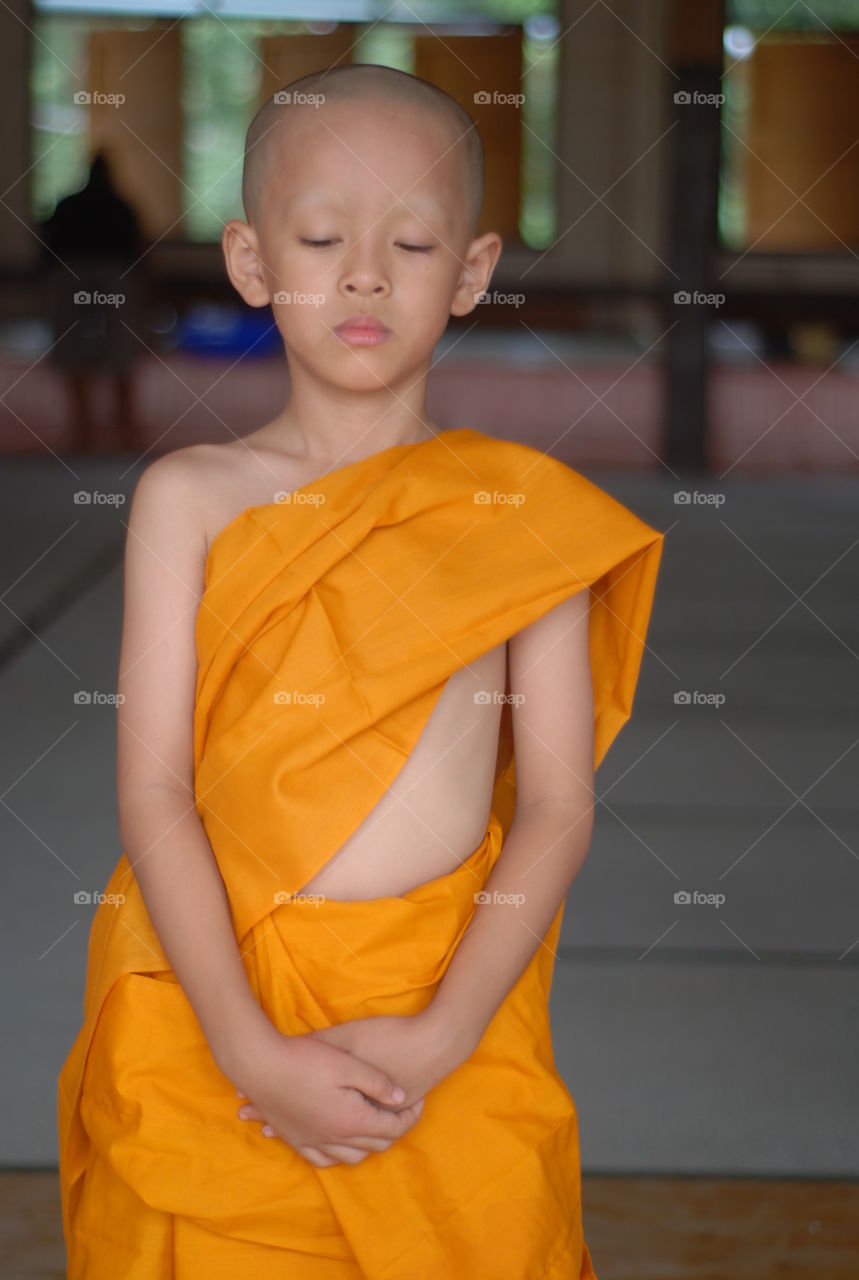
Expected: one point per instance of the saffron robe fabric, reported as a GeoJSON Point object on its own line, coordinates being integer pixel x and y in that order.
{"type": "Point", "coordinates": [371, 586]}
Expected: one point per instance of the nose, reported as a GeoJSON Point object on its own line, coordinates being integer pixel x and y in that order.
{"type": "Point", "coordinates": [363, 276]}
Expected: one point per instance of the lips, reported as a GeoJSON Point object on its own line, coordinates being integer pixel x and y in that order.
{"type": "Point", "coordinates": [362, 330]}
{"type": "Point", "coordinates": [362, 322]}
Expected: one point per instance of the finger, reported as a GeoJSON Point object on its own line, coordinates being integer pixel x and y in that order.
{"type": "Point", "coordinates": [367, 1142]}
{"type": "Point", "coordinates": [348, 1155]}
{"type": "Point", "coordinates": [379, 1122]}
{"type": "Point", "coordinates": [410, 1115]}
{"type": "Point", "coordinates": [373, 1082]}
{"type": "Point", "coordinates": [316, 1157]}
{"type": "Point", "coordinates": [250, 1112]}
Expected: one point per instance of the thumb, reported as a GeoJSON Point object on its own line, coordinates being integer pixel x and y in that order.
{"type": "Point", "coordinates": [375, 1083]}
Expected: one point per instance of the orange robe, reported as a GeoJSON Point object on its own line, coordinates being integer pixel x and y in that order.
{"type": "Point", "coordinates": [373, 584]}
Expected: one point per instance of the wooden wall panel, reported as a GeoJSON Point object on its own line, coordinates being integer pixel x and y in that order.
{"type": "Point", "coordinates": [464, 66]}
{"type": "Point", "coordinates": [804, 110]}
{"type": "Point", "coordinates": [287, 58]}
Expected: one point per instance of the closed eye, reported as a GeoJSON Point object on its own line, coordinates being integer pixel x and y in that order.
{"type": "Point", "coordinates": [411, 248]}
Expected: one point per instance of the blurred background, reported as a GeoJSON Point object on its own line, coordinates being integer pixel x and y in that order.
{"type": "Point", "coordinates": [676, 315]}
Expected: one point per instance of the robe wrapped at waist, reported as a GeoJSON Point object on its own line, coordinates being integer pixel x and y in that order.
{"type": "Point", "coordinates": [327, 630]}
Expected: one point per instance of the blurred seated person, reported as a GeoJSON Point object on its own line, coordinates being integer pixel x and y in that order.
{"type": "Point", "coordinates": [93, 258]}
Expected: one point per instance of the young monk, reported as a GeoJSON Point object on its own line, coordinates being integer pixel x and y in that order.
{"type": "Point", "coordinates": [316, 1039]}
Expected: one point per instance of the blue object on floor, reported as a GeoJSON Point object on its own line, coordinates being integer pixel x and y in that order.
{"type": "Point", "coordinates": [228, 331]}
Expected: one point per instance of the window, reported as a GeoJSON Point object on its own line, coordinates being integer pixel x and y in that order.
{"type": "Point", "coordinates": [789, 180]}
{"type": "Point", "coordinates": [192, 85]}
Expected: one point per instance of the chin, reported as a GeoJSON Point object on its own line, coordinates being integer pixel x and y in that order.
{"type": "Point", "coordinates": [363, 380]}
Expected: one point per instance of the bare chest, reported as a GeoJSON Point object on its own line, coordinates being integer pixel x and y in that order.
{"type": "Point", "coordinates": [436, 811]}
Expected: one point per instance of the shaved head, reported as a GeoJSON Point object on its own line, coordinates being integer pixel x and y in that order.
{"type": "Point", "coordinates": [351, 83]}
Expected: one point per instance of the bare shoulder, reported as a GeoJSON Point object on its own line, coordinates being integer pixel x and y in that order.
{"type": "Point", "coordinates": [213, 483]}
{"type": "Point", "coordinates": [183, 476]}
{"type": "Point", "coordinates": [181, 497]}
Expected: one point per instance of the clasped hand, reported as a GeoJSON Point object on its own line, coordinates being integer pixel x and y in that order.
{"type": "Point", "coordinates": [331, 1093]}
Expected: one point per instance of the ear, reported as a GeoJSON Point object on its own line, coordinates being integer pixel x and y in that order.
{"type": "Point", "coordinates": [480, 259]}
{"type": "Point", "coordinates": [242, 255]}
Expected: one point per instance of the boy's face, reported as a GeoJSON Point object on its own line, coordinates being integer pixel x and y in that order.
{"type": "Point", "coordinates": [364, 212]}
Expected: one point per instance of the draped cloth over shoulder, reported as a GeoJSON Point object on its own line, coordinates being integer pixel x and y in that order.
{"type": "Point", "coordinates": [328, 628]}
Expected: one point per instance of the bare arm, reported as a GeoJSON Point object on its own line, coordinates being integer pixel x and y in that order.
{"type": "Point", "coordinates": [549, 837]}
{"type": "Point", "coordinates": [161, 832]}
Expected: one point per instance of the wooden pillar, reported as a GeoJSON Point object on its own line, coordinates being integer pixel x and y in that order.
{"type": "Point", "coordinates": [612, 111]}
{"type": "Point", "coordinates": [694, 52]}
